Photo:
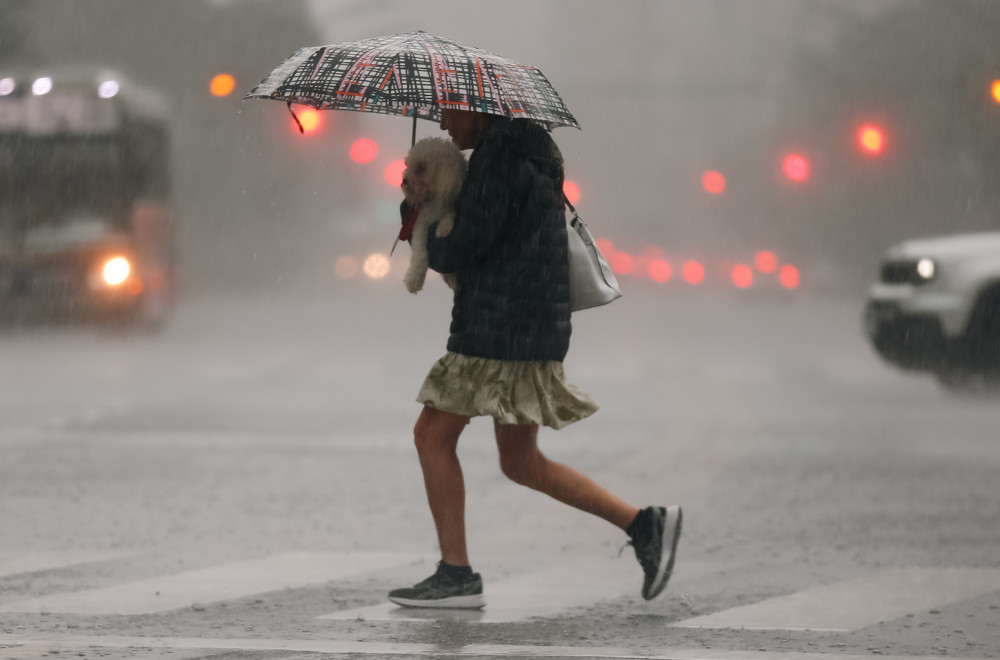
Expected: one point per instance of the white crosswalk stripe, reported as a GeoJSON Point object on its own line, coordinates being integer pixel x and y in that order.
{"type": "Point", "coordinates": [62, 643]}
{"type": "Point", "coordinates": [857, 603]}
{"type": "Point", "coordinates": [547, 592]}
{"type": "Point", "coordinates": [544, 593]}
{"type": "Point", "coordinates": [15, 563]}
{"type": "Point", "coordinates": [213, 584]}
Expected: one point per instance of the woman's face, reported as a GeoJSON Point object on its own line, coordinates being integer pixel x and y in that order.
{"type": "Point", "coordinates": [465, 128]}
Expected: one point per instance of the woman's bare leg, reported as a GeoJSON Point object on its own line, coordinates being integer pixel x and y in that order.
{"type": "Point", "coordinates": [522, 462]}
{"type": "Point", "coordinates": [436, 437]}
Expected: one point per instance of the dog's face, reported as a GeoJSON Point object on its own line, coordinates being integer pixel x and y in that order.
{"type": "Point", "coordinates": [434, 170]}
{"type": "Point", "coordinates": [418, 180]}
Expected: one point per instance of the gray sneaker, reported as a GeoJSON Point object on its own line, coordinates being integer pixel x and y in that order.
{"type": "Point", "coordinates": [655, 532]}
{"type": "Point", "coordinates": [444, 589]}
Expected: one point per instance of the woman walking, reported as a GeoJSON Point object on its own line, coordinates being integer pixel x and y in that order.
{"type": "Point", "coordinates": [509, 334]}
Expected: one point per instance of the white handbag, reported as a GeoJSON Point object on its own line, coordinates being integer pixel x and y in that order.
{"type": "Point", "coordinates": [591, 280]}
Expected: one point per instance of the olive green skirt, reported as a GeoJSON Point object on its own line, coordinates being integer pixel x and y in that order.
{"type": "Point", "coordinates": [511, 392]}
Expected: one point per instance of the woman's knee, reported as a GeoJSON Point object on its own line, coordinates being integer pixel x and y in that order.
{"type": "Point", "coordinates": [437, 431]}
{"type": "Point", "coordinates": [524, 467]}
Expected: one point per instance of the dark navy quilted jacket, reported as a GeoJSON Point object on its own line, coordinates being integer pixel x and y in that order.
{"type": "Point", "coordinates": [508, 248]}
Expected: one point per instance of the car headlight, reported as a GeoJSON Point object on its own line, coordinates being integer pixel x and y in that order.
{"type": "Point", "coordinates": [926, 269]}
{"type": "Point", "coordinates": [116, 270]}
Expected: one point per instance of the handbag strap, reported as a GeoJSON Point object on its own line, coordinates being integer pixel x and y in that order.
{"type": "Point", "coordinates": [576, 216]}
{"type": "Point", "coordinates": [572, 209]}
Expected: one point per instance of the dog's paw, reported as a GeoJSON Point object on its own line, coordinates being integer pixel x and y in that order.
{"type": "Point", "coordinates": [445, 225]}
{"type": "Point", "coordinates": [451, 279]}
{"type": "Point", "coordinates": [413, 287]}
{"type": "Point", "coordinates": [414, 280]}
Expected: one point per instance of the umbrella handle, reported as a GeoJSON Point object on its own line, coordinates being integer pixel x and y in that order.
{"type": "Point", "coordinates": [413, 136]}
{"type": "Point", "coordinates": [296, 118]}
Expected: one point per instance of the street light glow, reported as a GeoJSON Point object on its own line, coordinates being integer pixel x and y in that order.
{"type": "Point", "coordinates": [222, 85]}
{"type": "Point", "coordinates": [871, 139]}
{"type": "Point", "coordinates": [376, 266]}
{"type": "Point", "coordinates": [310, 119]}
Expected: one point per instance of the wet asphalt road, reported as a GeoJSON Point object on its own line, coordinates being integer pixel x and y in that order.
{"type": "Point", "coordinates": [280, 423]}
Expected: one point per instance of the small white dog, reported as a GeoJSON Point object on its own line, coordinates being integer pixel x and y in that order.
{"type": "Point", "coordinates": [434, 171]}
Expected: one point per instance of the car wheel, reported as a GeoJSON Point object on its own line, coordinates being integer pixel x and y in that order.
{"type": "Point", "coordinates": [983, 333]}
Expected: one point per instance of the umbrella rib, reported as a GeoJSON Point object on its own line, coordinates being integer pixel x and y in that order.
{"type": "Point", "coordinates": [319, 62]}
{"type": "Point", "coordinates": [479, 78]}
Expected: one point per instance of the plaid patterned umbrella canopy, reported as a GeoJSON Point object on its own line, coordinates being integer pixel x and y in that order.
{"type": "Point", "coordinates": [413, 75]}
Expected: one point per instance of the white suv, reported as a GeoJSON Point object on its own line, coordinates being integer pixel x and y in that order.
{"type": "Point", "coordinates": [936, 308]}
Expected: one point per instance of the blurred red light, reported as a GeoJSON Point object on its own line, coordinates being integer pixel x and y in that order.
{"type": "Point", "coordinates": [393, 173]}
{"type": "Point", "coordinates": [788, 275]}
{"type": "Point", "coordinates": [713, 182]}
{"type": "Point", "coordinates": [766, 262]}
{"type": "Point", "coordinates": [572, 191]}
{"type": "Point", "coordinates": [606, 247]}
{"type": "Point", "coordinates": [871, 139]}
{"type": "Point", "coordinates": [742, 276]}
{"type": "Point", "coordinates": [796, 167]}
{"type": "Point", "coordinates": [693, 272]}
{"type": "Point", "coordinates": [995, 90]}
{"type": "Point", "coordinates": [651, 252]}
{"type": "Point", "coordinates": [310, 120]}
{"type": "Point", "coordinates": [222, 85]}
{"type": "Point", "coordinates": [659, 270]}
{"type": "Point", "coordinates": [364, 151]}
{"type": "Point", "coordinates": [621, 263]}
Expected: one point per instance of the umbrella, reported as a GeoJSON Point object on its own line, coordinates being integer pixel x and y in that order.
{"type": "Point", "coordinates": [413, 75]}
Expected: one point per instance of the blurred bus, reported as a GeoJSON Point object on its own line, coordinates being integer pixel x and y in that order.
{"type": "Point", "coordinates": [87, 229]}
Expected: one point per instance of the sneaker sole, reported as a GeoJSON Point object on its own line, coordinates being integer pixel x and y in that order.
{"type": "Point", "coordinates": [675, 516]}
{"type": "Point", "coordinates": [473, 602]}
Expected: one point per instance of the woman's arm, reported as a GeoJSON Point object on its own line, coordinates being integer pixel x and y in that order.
{"type": "Point", "coordinates": [481, 211]}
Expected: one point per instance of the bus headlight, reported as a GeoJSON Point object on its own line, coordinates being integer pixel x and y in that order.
{"type": "Point", "coordinates": [926, 269]}
{"type": "Point", "coordinates": [116, 270]}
